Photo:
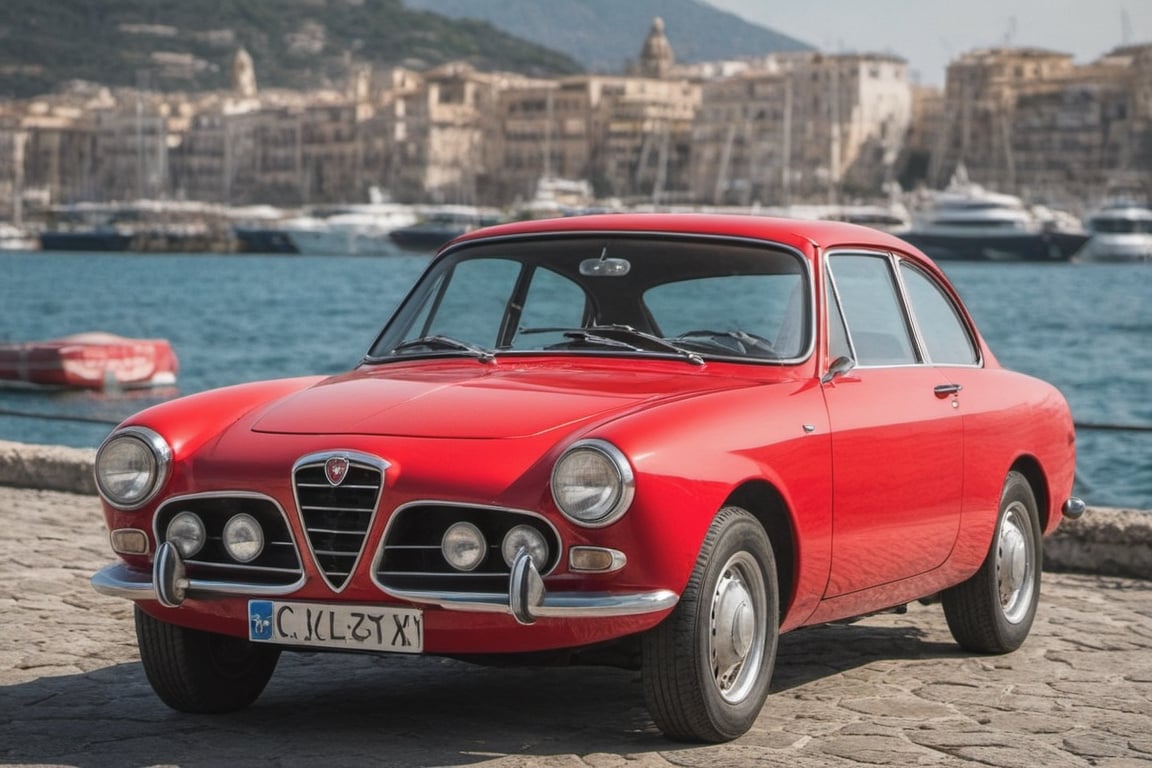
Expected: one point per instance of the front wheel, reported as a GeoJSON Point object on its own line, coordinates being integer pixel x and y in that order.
{"type": "Point", "coordinates": [992, 611]}
{"type": "Point", "coordinates": [202, 672]}
{"type": "Point", "coordinates": [706, 668]}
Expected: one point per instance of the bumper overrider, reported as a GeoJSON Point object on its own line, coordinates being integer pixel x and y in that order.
{"type": "Point", "coordinates": [526, 600]}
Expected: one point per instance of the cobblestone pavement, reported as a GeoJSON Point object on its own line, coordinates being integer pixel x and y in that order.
{"type": "Point", "coordinates": [889, 690]}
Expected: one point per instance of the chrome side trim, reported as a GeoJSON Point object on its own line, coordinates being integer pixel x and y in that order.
{"type": "Point", "coordinates": [118, 580]}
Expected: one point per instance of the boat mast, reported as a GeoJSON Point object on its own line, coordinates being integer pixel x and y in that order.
{"type": "Point", "coordinates": [786, 161]}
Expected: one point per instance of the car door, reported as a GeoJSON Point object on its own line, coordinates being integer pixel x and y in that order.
{"type": "Point", "coordinates": [983, 396]}
{"type": "Point", "coordinates": [897, 439]}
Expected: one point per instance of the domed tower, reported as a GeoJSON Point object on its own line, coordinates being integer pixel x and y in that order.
{"type": "Point", "coordinates": [656, 58]}
{"type": "Point", "coordinates": [243, 74]}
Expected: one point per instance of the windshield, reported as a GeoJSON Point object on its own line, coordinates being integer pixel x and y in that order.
{"type": "Point", "coordinates": [634, 295]}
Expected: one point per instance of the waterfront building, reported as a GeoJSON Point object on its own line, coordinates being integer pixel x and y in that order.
{"type": "Point", "coordinates": [979, 102]}
{"type": "Point", "coordinates": [801, 127]}
{"type": "Point", "coordinates": [1031, 122]}
{"type": "Point", "coordinates": [60, 158]}
{"type": "Point", "coordinates": [1080, 135]}
{"type": "Point", "coordinates": [438, 124]}
{"type": "Point", "coordinates": [13, 140]}
{"type": "Point", "coordinates": [629, 136]}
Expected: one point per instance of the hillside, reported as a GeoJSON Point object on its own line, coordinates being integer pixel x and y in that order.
{"type": "Point", "coordinates": [604, 35]}
{"type": "Point", "coordinates": [188, 44]}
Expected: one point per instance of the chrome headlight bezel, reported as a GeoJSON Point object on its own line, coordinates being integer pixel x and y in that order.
{"type": "Point", "coordinates": [617, 485]}
{"type": "Point", "coordinates": [157, 456]}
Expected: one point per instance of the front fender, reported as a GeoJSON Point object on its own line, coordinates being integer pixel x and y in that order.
{"type": "Point", "coordinates": [693, 457]}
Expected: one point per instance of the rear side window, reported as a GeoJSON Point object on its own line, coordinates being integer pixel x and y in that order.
{"type": "Point", "coordinates": [945, 334]}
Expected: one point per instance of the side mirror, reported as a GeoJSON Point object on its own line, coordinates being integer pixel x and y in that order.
{"type": "Point", "coordinates": [839, 367]}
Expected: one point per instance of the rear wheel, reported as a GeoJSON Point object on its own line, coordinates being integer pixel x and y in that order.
{"type": "Point", "coordinates": [992, 612]}
{"type": "Point", "coordinates": [706, 668]}
{"type": "Point", "coordinates": [202, 672]}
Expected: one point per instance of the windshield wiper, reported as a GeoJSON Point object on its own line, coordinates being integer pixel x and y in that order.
{"type": "Point", "coordinates": [445, 343]}
{"type": "Point", "coordinates": [597, 335]}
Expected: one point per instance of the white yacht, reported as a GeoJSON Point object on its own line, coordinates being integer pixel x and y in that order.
{"type": "Point", "coordinates": [1120, 232]}
{"type": "Point", "coordinates": [14, 238]}
{"type": "Point", "coordinates": [968, 222]}
{"type": "Point", "coordinates": [359, 231]}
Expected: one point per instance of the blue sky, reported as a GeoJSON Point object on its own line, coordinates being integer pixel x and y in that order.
{"type": "Point", "coordinates": [929, 33]}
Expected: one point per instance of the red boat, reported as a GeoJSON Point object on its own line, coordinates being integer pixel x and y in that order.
{"type": "Point", "coordinates": [91, 361]}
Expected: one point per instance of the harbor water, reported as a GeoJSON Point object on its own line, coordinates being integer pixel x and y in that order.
{"type": "Point", "coordinates": [1087, 328]}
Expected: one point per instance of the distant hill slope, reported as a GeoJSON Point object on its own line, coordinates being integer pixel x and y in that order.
{"type": "Point", "coordinates": [189, 44]}
{"type": "Point", "coordinates": [605, 34]}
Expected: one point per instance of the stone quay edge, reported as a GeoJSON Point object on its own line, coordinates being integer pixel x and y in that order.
{"type": "Point", "coordinates": [1107, 541]}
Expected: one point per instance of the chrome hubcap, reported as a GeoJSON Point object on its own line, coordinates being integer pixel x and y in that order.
{"type": "Point", "coordinates": [736, 641]}
{"type": "Point", "coordinates": [1015, 563]}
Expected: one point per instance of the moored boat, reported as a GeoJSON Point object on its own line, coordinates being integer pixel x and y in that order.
{"type": "Point", "coordinates": [1121, 232]}
{"type": "Point", "coordinates": [441, 224]}
{"type": "Point", "coordinates": [360, 231]}
{"type": "Point", "coordinates": [95, 239]}
{"type": "Point", "coordinates": [14, 238]}
{"type": "Point", "coordinates": [155, 226]}
{"type": "Point", "coordinates": [93, 360]}
{"type": "Point", "coordinates": [970, 223]}
{"type": "Point", "coordinates": [272, 237]}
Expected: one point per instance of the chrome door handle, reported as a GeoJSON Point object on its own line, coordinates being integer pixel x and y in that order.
{"type": "Point", "coordinates": [943, 390]}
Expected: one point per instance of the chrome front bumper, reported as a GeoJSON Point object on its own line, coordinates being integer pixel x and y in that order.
{"type": "Point", "coordinates": [526, 599]}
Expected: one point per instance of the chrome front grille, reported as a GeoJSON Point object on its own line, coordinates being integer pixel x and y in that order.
{"type": "Point", "coordinates": [337, 514]}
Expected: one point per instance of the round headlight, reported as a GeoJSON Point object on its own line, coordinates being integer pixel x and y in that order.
{"type": "Point", "coordinates": [525, 537]}
{"type": "Point", "coordinates": [243, 538]}
{"type": "Point", "coordinates": [186, 533]}
{"type": "Point", "coordinates": [131, 466]}
{"type": "Point", "coordinates": [592, 483]}
{"type": "Point", "coordinates": [464, 546]}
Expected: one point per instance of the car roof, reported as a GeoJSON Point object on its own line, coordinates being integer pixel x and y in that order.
{"type": "Point", "coordinates": [801, 234]}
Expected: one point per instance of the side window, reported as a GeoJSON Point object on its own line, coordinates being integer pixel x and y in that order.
{"type": "Point", "coordinates": [945, 335]}
{"type": "Point", "coordinates": [870, 302]}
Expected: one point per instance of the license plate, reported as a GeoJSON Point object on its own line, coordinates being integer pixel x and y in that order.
{"type": "Point", "coordinates": [362, 627]}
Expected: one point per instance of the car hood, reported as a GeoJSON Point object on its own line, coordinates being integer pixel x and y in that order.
{"type": "Point", "coordinates": [477, 400]}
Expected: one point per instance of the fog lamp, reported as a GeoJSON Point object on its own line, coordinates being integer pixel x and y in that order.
{"type": "Point", "coordinates": [525, 537]}
{"type": "Point", "coordinates": [186, 532]}
{"type": "Point", "coordinates": [243, 538]}
{"type": "Point", "coordinates": [464, 546]}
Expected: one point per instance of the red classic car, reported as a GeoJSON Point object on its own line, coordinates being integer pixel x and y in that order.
{"type": "Point", "coordinates": [672, 435]}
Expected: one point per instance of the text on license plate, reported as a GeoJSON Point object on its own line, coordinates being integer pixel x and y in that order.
{"type": "Point", "coordinates": [363, 627]}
